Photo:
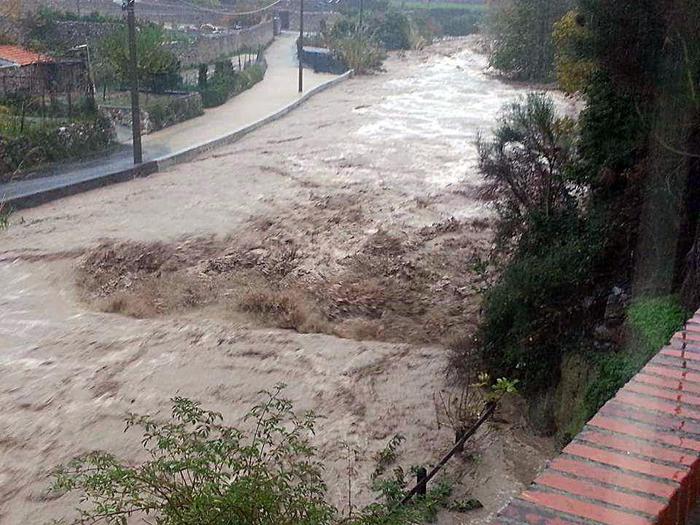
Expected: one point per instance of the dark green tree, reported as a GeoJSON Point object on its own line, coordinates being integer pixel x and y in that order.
{"type": "Point", "coordinates": [158, 67]}
{"type": "Point", "coordinates": [522, 37]}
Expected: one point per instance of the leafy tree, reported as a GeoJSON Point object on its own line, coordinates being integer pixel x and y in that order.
{"type": "Point", "coordinates": [157, 67]}
{"type": "Point", "coordinates": [522, 37]}
{"type": "Point", "coordinates": [528, 163]}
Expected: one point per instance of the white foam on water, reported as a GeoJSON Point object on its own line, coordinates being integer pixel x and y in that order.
{"type": "Point", "coordinates": [443, 106]}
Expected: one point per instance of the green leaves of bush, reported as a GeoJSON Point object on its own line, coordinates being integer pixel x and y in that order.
{"type": "Point", "coordinates": [226, 83]}
{"type": "Point", "coordinates": [553, 246]}
{"type": "Point", "coordinates": [200, 471]}
{"type": "Point", "coordinates": [45, 143]}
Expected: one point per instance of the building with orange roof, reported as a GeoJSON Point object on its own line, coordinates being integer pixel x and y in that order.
{"type": "Point", "coordinates": [16, 56]}
{"type": "Point", "coordinates": [29, 73]}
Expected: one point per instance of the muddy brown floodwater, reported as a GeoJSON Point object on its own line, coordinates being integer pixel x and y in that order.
{"type": "Point", "coordinates": [334, 250]}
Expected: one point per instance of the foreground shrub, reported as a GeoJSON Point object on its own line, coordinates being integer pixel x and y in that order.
{"type": "Point", "coordinates": [202, 472]}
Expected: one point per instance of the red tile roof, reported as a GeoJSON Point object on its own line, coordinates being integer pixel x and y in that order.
{"type": "Point", "coordinates": [21, 56]}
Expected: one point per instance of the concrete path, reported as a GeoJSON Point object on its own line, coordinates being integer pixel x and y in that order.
{"type": "Point", "coordinates": [274, 92]}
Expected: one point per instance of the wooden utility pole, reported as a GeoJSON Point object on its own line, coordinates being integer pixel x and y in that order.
{"type": "Point", "coordinates": [301, 45]}
{"type": "Point", "coordinates": [134, 78]}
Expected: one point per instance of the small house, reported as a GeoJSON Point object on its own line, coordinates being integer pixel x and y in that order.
{"type": "Point", "coordinates": [28, 73]}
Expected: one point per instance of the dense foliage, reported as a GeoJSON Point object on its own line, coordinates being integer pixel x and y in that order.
{"type": "Point", "coordinates": [158, 68]}
{"type": "Point", "coordinates": [521, 32]}
{"type": "Point", "coordinates": [164, 113]}
{"type": "Point", "coordinates": [530, 178]}
{"type": "Point", "coordinates": [629, 198]}
{"type": "Point", "coordinates": [227, 82]}
{"type": "Point", "coordinates": [46, 142]}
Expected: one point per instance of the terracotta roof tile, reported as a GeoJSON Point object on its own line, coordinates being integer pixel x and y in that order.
{"type": "Point", "coordinates": [21, 56]}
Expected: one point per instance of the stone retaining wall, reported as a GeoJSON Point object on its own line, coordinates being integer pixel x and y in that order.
{"type": "Point", "coordinates": [160, 11]}
{"type": "Point", "coordinates": [179, 109]}
{"type": "Point", "coordinates": [207, 48]}
{"type": "Point", "coordinates": [637, 462]}
{"type": "Point", "coordinates": [312, 20]}
{"type": "Point", "coordinates": [75, 33]}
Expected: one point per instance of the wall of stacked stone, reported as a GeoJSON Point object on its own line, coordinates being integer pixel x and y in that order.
{"type": "Point", "coordinates": [312, 20]}
{"type": "Point", "coordinates": [207, 48]}
{"type": "Point", "coordinates": [45, 79]}
{"type": "Point", "coordinates": [9, 28]}
{"type": "Point", "coordinates": [154, 10]}
{"type": "Point", "coordinates": [76, 33]}
{"type": "Point", "coordinates": [183, 107]}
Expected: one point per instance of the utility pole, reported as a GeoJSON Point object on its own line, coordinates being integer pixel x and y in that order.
{"type": "Point", "coordinates": [301, 45]}
{"type": "Point", "coordinates": [361, 9]}
{"type": "Point", "coordinates": [134, 78]}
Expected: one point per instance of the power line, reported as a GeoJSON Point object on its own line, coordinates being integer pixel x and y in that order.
{"type": "Point", "coordinates": [228, 13]}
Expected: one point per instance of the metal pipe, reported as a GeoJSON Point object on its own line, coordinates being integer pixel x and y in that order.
{"type": "Point", "coordinates": [420, 486]}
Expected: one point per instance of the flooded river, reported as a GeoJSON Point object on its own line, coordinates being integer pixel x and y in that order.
{"type": "Point", "coordinates": [380, 167]}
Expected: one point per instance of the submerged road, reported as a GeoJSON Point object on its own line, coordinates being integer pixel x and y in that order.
{"type": "Point", "coordinates": [274, 92]}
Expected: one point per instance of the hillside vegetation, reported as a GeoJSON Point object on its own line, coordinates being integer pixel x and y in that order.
{"type": "Point", "coordinates": [598, 219]}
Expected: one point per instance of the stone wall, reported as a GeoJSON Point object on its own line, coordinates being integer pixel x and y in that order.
{"type": "Point", "coordinates": [179, 109]}
{"type": "Point", "coordinates": [207, 48]}
{"type": "Point", "coordinates": [312, 20]}
{"type": "Point", "coordinates": [75, 33]}
{"type": "Point", "coordinates": [49, 79]}
{"type": "Point", "coordinates": [161, 11]}
{"type": "Point", "coordinates": [9, 28]}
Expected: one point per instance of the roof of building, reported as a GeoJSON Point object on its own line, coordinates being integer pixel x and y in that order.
{"type": "Point", "coordinates": [18, 56]}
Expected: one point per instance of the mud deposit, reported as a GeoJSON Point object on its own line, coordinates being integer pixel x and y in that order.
{"type": "Point", "coordinates": [337, 250]}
